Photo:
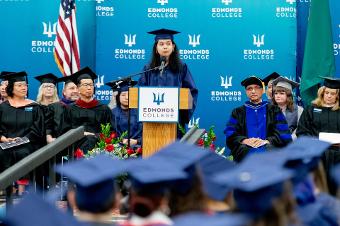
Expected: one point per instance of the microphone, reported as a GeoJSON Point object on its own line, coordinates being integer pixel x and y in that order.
{"type": "Point", "coordinates": [161, 68]}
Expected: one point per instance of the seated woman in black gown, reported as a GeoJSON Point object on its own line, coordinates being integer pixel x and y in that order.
{"type": "Point", "coordinates": [121, 111]}
{"type": "Point", "coordinates": [86, 111]}
{"type": "Point", "coordinates": [324, 116]}
{"type": "Point", "coordinates": [19, 117]}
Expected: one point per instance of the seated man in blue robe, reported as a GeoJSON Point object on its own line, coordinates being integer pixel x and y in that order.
{"type": "Point", "coordinates": [257, 125]}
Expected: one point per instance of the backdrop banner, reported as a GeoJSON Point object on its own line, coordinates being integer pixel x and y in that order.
{"type": "Point", "coordinates": [222, 41]}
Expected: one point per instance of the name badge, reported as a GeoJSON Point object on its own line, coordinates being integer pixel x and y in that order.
{"type": "Point", "coordinates": [317, 110]}
{"type": "Point", "coordinates": [28, 108]}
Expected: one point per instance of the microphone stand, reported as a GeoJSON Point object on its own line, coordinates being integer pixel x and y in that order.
{"type": "Point", "coordinates": [129, 80]}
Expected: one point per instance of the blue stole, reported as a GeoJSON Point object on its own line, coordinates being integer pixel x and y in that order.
{"type": "Point", "coordinates": [256, 121]}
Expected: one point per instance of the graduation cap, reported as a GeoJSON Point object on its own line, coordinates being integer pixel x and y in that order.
{"type": "Point", "coordinates": [209, 166]}
{"type": "Point", "coordinates": [5, 73]}
{"type": "Point", "coordinates": [153, 177]}
{"type": "Point", "coordinates": [33, 210]}
{"type": "Point", "coordinates": [181, 154]}
{"type": "Point", "coordinates": [65, 79]}
{"type": "Point", "coordinates": [47, 78]}
{"type": "Point", "coordinates": [121, 85]}
{"type": "Point", "coordinates": [185, 157]}
{"type": "Point", "coordinates": [285, 83]}
{"type": "Point", "coordinates": [252, 80]}
{"type": "Point", "coordinates": [163, 34]}
{"type": "Point", "coordinates": [204, 219]}
{"type": "Point", "coordinates": [255, 185]}
{"type": "Point", "coordinates": [316, 214]}
{"type": "Point", "coordinates": [84, 73]}
{"type": "Point", "coordinates": [270, 77]}
{"type": "Point", "coordinates": [94, 179]}
{"type": "Point", "coordinates": [332, 83]}
{"type": "Point", "coordinates": [15, 77]}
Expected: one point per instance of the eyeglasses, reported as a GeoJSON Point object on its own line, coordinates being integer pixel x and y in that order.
{"type": "Point", "coordinates": [48, 86]}
{"type": "Point", "coordinates": [86, 85]}
{"type": "Point", "coordinates": [256, 88]}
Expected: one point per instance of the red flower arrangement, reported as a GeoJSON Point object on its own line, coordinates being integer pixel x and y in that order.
{"type": "Point", "coordinates": [109, 143]}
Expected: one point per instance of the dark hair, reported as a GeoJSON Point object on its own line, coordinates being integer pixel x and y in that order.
{"type": "Point", "coordinates": [175, 64]}
{"type": "Point", "coordinates": [192, 200]}
{"type": "Point", "coordinates": [118, 99]}
{"type": "Point", "coordinates": [9, 88]}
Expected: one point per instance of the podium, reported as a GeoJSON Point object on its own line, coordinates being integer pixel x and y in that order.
{"type": "Point", "coordinates": [159, 134]}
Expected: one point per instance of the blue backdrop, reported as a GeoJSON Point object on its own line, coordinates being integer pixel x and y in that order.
{"type": "Point", "coordinates": [222, 41]}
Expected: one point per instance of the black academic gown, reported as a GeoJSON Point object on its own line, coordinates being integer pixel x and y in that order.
{"type": "Point", "coordinates": [55, 112]}
{"type": "Point", "coordinates": [182, 79]}
{"type": "Point", "coordinates": [120, 123]}
{"type": "Point", "coordinates": [322, 119]}
{"type": "Point", "coordinates": [91, 116]}
{"type": "Point", "coordinates": [274, 129]}
{"type": "Point", "coordinates": [19, 122]}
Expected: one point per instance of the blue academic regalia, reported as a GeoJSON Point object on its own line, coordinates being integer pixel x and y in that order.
{"type": "Point", "coordinates": [120, 123]}
{"type": "Point", "coordinates": [182, 79]}
{"type": "Point", "coordinates": [263, 120]}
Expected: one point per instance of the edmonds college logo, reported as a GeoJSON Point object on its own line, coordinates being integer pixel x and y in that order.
{"type": "Point", "coordinates": [226, 82]}
{"type": "Point", "coordinates": [129, 53]}
{"type": "Point", "coordinates": [258, 52]}
{"type": "Point", "coordinates": [46, 43]}
{"type": "Point", "coordinates": [130, 40]}
{"type": "Point", "coordinates": [227, 11]}
{"type": "Point", "coordinates": [103, 10]}
{"type": "Point", "coordinates": [194, 53]}
{"type": "Point", "coordinates": [194, 122]}
{"type": "Point", "coordinates": [225, 95]}
{"type": "Point", "coordinates": [162, 12]}
{"type": "Point", "coordinates": [159, 98]}
{"type": "Point", "coordinates": [103, 95]}
{"type": "Point", "coordinates": [286, 10]}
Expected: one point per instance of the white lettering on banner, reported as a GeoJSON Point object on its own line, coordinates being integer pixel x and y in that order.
{"type": "Point", "coordinates": [130, 53]}
{"type": "Point", "coordinates": [158, 104]}
{"type": "Point", "coordinates": [258, 54]}
{"type": "Point", "coordinates": [49, 29]}
{"type": "Point", "coordinates": [226, 12]}
{"type": "Point", "coordinates": [223, 95]}
{"type": "Point", "coordinates": [195, 53]}
{"type": "Point", "coordinates": [46, 44]}
{"type": "Point", "coordinates": [162, 12]}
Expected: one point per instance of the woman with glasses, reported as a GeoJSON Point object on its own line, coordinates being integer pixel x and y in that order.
{"type": "Point", "coordinates": [86, 111]}
{"type": "Point", "coordinates": [47, 95]}
{"type": "Point", "coordinates": [20, 118]}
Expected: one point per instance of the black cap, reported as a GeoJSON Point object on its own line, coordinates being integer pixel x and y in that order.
{"type": "Point", "coordinates": [121, 85]}
{"type": "Point", "coordinates": [270, 77]}
{"type": "Point", "coordinates": [47, 78]}
{"type": "Point", "coordinates": [332, 83]}
{"type": "Point", "coordinates": [5, 73]}
{"type": "Point", "coordinates": [84, 73]}
{"type": "Point", "coordinates": [252, 80]}
{"type": "Point", "coordinates": [163, 34]}
{"type": "Point", "coordinates": [65, 79]}
{"type": "Point", "coordinates": [16, 77]}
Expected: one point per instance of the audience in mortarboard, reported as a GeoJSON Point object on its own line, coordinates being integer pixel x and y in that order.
{"type": "Point", "coordinates": [122, 114]}
{"type": "Point", "coordinates": [86, 111]}
{"type": "Point", "coordinates": [323, 116]}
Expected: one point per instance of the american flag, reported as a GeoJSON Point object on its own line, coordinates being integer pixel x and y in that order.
{"type": "Point", "coordinates": [66, 47]}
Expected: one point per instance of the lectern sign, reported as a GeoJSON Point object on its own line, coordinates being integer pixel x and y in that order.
{"type": "Point", "coordinates": [157, 104]}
